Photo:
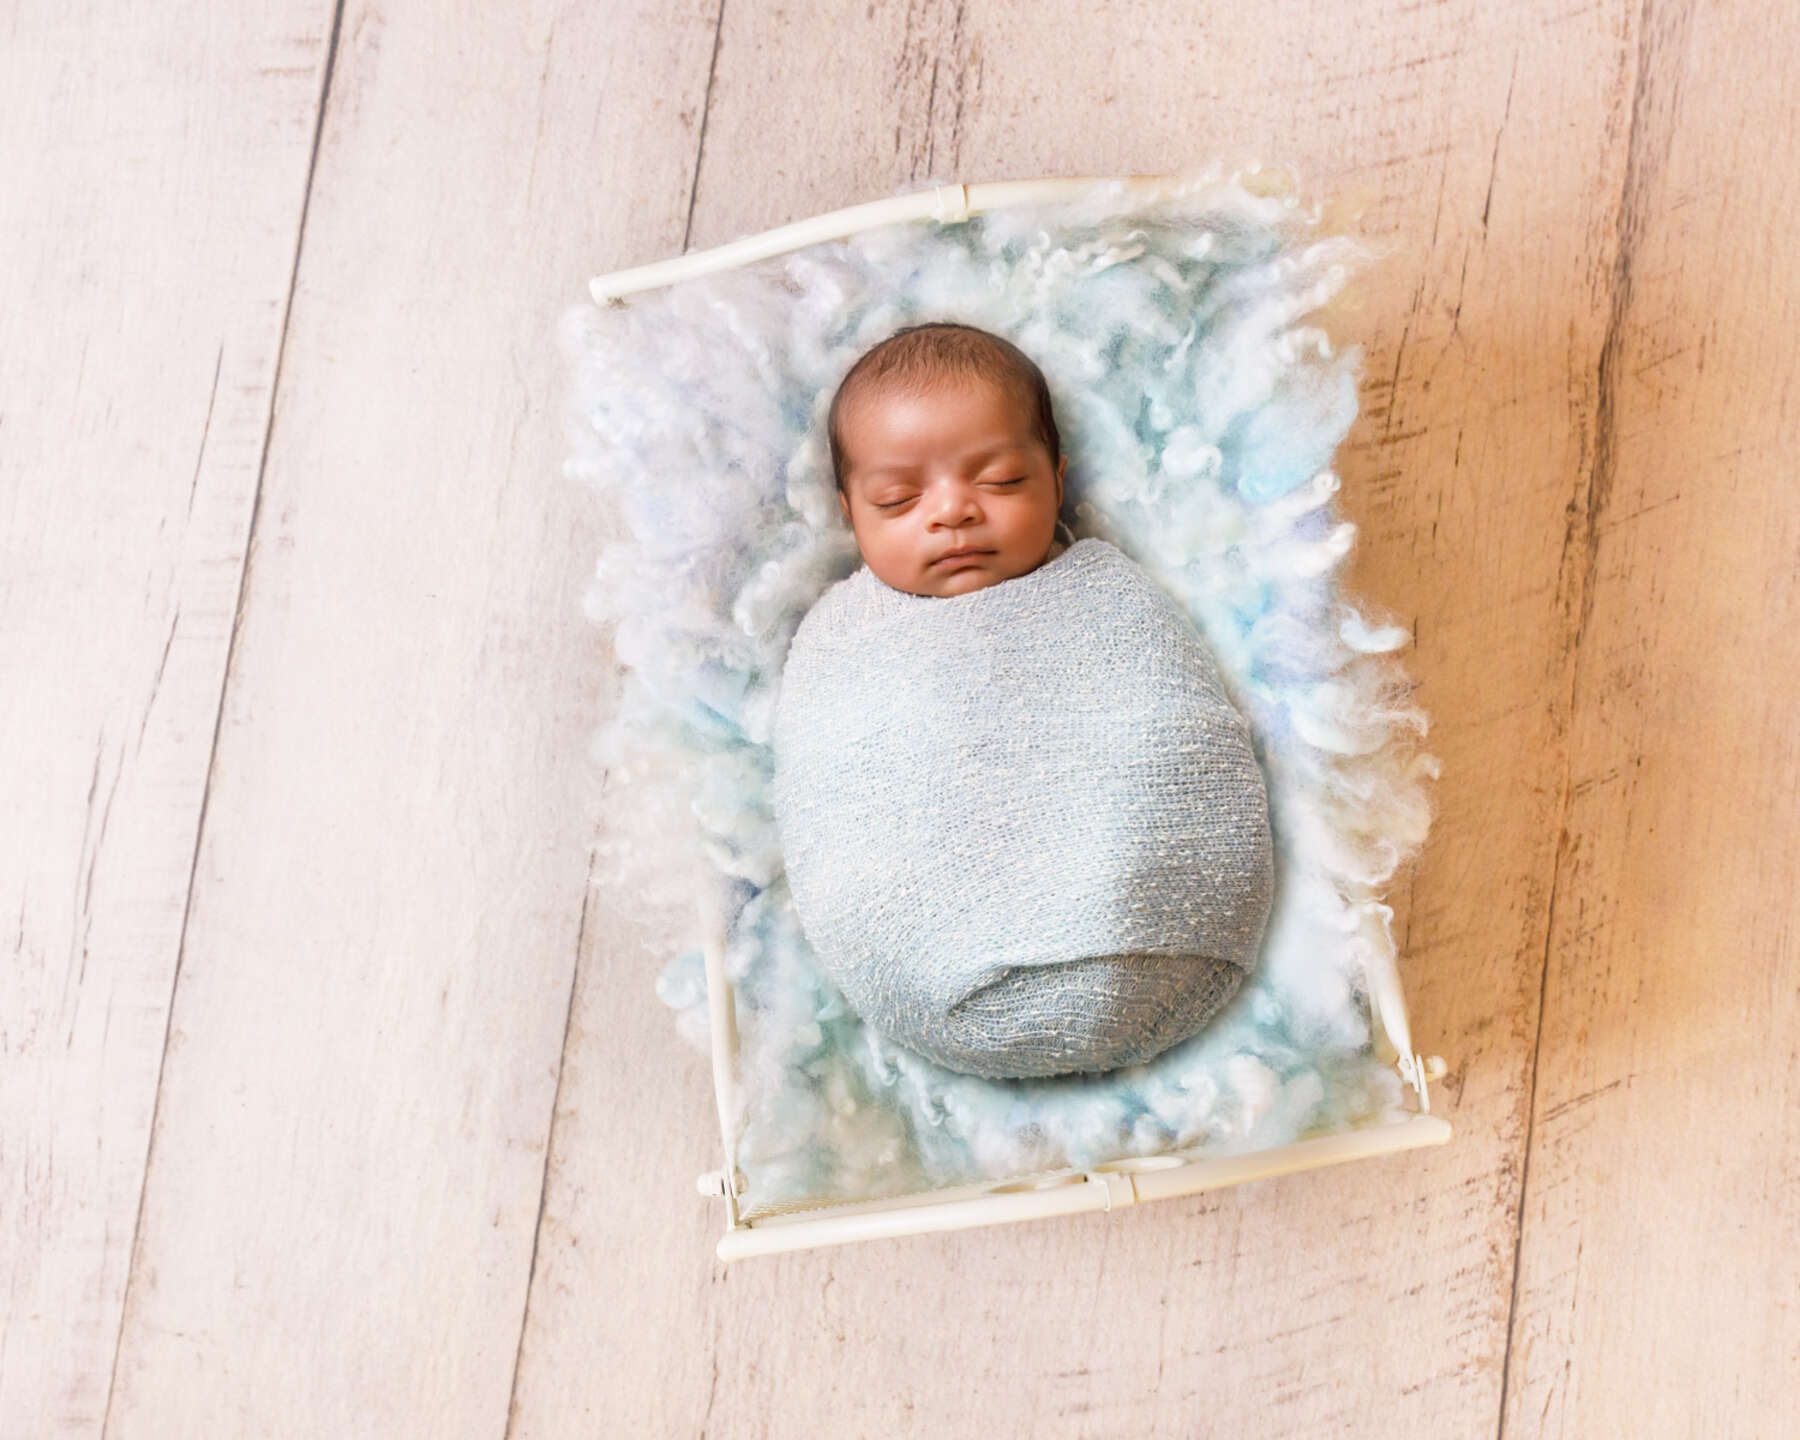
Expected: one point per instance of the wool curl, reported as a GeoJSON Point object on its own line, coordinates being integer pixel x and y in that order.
{"type": "Point", "coordinates": [1201, 405]}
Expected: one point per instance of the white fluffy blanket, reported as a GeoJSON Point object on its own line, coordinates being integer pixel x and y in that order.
{"type": "Point", "coordinates": [1202, 407]}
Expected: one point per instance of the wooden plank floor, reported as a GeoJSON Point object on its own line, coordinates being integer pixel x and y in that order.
{"type": "Point", "coordinates": [333, 1100]}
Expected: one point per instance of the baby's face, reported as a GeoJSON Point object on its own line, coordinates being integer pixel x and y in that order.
{"type": "Point", "coordinates": [954, 469]}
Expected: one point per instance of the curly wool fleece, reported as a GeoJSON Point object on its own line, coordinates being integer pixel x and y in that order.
{"type": "Point", "coordinates": [1201, 413]}
{"type": "Point", "coordinates": [1024, 829]}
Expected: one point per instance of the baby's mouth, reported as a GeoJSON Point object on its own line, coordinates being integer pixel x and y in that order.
{"type": "Point", "coordinates": [960, 554]}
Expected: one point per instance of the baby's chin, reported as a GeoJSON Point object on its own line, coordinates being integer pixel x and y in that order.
{"type": "Point", "coordinates": [961, 582]}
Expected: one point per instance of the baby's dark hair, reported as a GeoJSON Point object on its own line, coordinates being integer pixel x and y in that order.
{"type": "Point", "coordinates": [916, 355]}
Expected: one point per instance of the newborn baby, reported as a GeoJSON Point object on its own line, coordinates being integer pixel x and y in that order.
{"type": "Point", "coordinates": [1025, 831]}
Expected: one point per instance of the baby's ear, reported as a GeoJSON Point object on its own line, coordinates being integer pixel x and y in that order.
{"type": "Point", "coordinates": [1061, 466]}
{"type": "Point", "coordinates": [844, 505]}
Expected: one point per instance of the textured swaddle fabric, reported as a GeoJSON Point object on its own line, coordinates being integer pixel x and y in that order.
{"type": "Point", "coordinates": [1024, 828]}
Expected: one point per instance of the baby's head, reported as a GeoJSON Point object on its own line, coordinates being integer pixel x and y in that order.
{"type": "Point", "coordinates": [949, 468]}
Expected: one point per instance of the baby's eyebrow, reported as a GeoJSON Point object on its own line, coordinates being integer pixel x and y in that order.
{"type": "Point", "coordinates": [981, 457]}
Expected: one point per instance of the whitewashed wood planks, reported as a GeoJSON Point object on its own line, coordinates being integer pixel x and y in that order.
{"type": "Point", "coordinates": [1570, 477]}
{"type": "Point", "coordinates": [347, 1167]}
{"type": "Point", "coordinates": [1659, 1283]}
{"type": "Point", "coordinates": [153, 168]}
{"type": "Point", "coordinates": [1350, 1301]}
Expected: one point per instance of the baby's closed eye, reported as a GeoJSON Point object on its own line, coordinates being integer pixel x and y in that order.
{"type": "Point", "coordinates": [901, 500]}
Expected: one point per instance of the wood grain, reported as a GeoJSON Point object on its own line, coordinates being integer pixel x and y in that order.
{"type": "Point", "coordinates": [348, 1162]}
{"type": "Point", "coordinates": [1658, 1273]}
{"type": "Point", "coordinates": [1256, 1308]}
{"type": "Point", "coordinates": [295, 696]}
{"type": "Point", "coordinates": [154, 169]}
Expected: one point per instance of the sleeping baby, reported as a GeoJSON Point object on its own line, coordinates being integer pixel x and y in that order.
{"type": "Point", "coordinates": [1025, 830]}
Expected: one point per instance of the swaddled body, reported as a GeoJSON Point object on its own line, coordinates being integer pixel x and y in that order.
{"type": "Point", "coordinates": [1025, 830]}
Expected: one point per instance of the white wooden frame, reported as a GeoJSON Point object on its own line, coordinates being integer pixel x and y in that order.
{"type": "Point", "coordinates": [1105, 1187]}
{"type": "Point", "coordinates": [1108, 1186]}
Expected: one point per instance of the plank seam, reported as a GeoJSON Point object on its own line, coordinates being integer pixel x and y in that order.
{"type": "Point", "coordinates": [237, 619]}
{"type": "Point", "coordinates": [712, 69]}
{"type": "Point", "coordinates": [512, 1401]}
{"type": "Point", "coordinates": [1583, 536]}
{"type": "Point", "coordinates": [537, 1229]}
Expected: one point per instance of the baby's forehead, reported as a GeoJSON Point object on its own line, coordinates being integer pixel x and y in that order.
{"type": "Point", "coordinates": [871, 396]}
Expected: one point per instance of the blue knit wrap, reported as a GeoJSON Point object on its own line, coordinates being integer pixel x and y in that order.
{"type": "Point", "coordinates": [1024, 828]}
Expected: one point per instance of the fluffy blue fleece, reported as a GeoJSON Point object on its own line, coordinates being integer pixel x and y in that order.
{"type": "Point", "coordinates": [1201, 412]}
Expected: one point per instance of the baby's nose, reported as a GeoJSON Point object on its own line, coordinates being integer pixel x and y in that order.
{"type": "Point", "coordinates": [956, 502]}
